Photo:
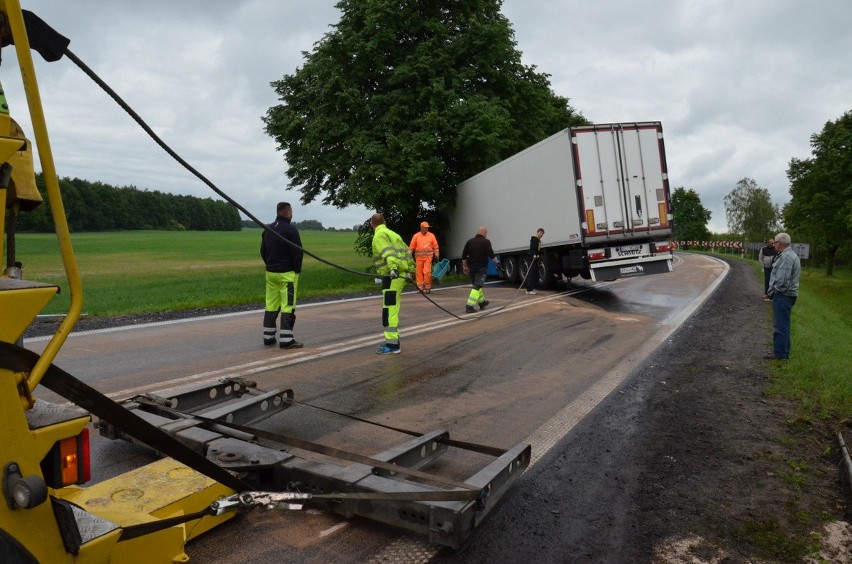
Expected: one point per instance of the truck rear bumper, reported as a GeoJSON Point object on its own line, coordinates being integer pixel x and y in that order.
{"type": "Point", "coordinates": [613, 270]}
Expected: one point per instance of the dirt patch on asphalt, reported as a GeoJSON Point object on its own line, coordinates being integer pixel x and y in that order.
{"type": "Point", "coordinates": [691, 460]}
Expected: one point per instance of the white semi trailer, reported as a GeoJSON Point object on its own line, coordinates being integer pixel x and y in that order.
{"type": "Point", "coordinates": [601, 192]}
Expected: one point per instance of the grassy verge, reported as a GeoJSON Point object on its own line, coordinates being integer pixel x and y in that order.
{"type": "Point", "coordinates": [816, 379]}
{"type": "Point", "coordinates": [150, 271]}
{"type": "Point", "coordinates": [817, 373]}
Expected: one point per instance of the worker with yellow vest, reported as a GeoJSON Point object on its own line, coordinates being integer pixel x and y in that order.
{"type": "Point", "coordinates": [392, 258]}
{"type": "Point", "coordinates": [424, 247]}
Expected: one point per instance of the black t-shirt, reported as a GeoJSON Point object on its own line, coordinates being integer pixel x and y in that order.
{"type": "Point", "coordinates": [477, 251]}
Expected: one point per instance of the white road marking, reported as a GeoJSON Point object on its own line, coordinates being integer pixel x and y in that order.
{"type": "Point", "coordinates": [333, 529]}
{"type": "Point", "coordinates": [303, 355]}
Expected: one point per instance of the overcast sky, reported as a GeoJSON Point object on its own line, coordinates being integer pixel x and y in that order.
{"type": "Point", "coordinates": [739, 86]}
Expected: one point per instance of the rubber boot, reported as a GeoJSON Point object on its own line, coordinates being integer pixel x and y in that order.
{"type": "Point", "coordinates": [269, 322]}
{"type": "Point", "coordinates": [285, 336]}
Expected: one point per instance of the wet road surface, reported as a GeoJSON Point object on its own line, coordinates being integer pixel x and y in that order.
{"type": "Point", "coordinates": [527, 369]}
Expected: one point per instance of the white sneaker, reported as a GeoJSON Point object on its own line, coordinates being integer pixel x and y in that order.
{"type": "Point", "coordinates": [531, 292]}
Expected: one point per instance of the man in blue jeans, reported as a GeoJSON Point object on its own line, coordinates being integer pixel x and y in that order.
{"type": "Point", "coordinates": [783, 289]}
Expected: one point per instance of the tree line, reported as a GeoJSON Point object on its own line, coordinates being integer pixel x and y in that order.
{"type": "Point", "coordinates": [819, 211]}
{"type": "Point", "coordinates": [306, 225]}
{"type": "Point", "coordinates": [95, 206]}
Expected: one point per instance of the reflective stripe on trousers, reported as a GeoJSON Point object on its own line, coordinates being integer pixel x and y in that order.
{"type": "Point", "coordinates": [476, 297]}
{"type": "Point", "coordinates": [391, 301]}
{"type": "Point", "coordinates": [477, 280]}
{"type": "Point", "coordinates": [281, 292]}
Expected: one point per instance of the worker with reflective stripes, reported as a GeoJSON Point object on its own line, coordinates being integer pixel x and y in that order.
{"type": "Point", "coordinates": [475, 255]}
{"type": "Point", "coordinates": [391, 257]}
{"type": "Point", "coordinates": [283, 265]}
{"type": "Point", "coordinates": [424, 246]}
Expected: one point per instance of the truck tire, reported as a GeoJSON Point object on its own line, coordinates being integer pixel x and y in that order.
{"type": "Point", "coordinates": [510, 269]}
{"type": "Point", "coordinates": [523, 269]}
{"type": "Point", "coordinates": [546, 276]}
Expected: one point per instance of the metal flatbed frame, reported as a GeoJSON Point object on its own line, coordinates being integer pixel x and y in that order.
{"type": "Point", "coordinates": [188, 414]}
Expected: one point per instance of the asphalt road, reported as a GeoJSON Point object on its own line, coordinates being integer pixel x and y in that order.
{"type": "Point", "coordinates": [526, 370]}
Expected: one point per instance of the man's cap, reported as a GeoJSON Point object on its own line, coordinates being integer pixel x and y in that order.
{"type": "Point", "coordinates": [424, 224]}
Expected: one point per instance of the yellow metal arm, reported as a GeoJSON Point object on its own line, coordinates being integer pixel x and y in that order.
{"type": "Point", "coordinates": [15, 18]}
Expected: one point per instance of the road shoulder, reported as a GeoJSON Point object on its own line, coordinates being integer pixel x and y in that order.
{"type": "Point", "coordinates": [689, 457]}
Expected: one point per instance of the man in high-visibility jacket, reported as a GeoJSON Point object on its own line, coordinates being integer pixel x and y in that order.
{"type": "Point", "coordinates": [424, 247]}
{"type": "Point", "coordinates": [392, 258]}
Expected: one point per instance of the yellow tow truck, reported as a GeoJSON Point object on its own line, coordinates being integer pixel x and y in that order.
{"type": "Point", "coordinates": [216, 464]}
{"type": "Point", "coordinates": [45, 516]}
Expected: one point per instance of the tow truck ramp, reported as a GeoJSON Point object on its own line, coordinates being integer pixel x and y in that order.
{"type": "Point", "coordinates": [215, 420]}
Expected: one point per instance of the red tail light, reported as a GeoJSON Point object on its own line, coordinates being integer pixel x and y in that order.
{"type": "Point", "coordinates": [661, 247]}
{"type": "Point", "coordinates": [597, 255]}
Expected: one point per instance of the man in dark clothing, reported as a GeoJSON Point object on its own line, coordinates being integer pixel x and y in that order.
{"type": "Point", "coordinates": [535, 256]}
{"type": "Point", "coordinates": [766, 257]}
{"type": "Point", "coordinates": [475, 256]}
{"type": "Point", "coordinates": [283, 264]}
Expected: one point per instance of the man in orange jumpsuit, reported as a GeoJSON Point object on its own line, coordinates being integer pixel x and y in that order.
{"type": "Point", "coordinates": [424, 247]}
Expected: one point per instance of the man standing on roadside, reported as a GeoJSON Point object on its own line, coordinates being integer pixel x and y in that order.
{"type": "Point", "coordinates": [283, 262]}
{"type": "Point", "coordinates": [392, 258]}
{"type": "Point", "coordinates": [783, 289]}
{"type": "Point", "coordinates": [475, 255]}
{"type": "Point", "coordinates": [765, 257]}
{"type": "Point", "coordinates": [424, 246]}
{"type": "Point", "coordinates": [535, 256]}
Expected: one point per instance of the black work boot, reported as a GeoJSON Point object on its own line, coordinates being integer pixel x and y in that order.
{"type": "Point", "coordinates": [269, 330]}
{"type": "Point", "coordinates": [285, 336]}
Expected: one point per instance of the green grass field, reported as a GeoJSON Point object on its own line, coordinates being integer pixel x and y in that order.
{"type": "Point", "coordinates": [150, 271]}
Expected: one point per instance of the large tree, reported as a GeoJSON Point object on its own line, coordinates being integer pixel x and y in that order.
{"type": "Point", "coordinates": [821, 190]}
{"type": "Point", "coordinates": [403, 100]}
{"type": "Point", "coordinates": [690, 216]}
{"type": "Point", "coordinates": [750, 211]}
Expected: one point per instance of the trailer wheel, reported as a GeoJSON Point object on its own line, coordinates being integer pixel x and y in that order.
{"type": "Point", "coordinates": [547, 278]}
{"type": "Point", "coordinates": [524, 268]}
{"type": "Point", "coordinates": [510, 269]}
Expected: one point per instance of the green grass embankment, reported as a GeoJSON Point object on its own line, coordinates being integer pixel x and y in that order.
{"type": "Point", "coordinates": [818, 372]}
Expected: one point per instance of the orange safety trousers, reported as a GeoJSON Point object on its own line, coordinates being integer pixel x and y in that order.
{"type": "Point", "coordinates": [423, 271]}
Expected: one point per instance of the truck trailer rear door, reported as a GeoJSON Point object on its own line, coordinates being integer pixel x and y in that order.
{"type": "Point", "coordinates": [622, 181]}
